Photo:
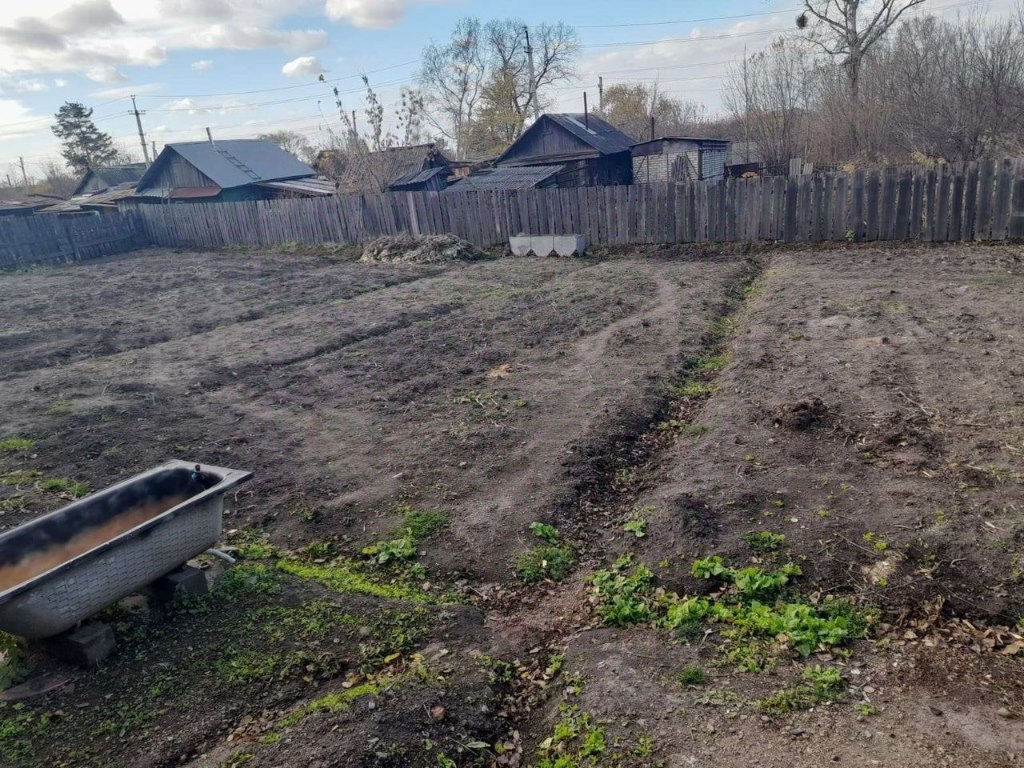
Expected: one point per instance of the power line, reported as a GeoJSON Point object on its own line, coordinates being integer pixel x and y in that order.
{"type": "Point", "coordinates": [286, 87]}
{"type": "Point", "coordinates": [685, 21]}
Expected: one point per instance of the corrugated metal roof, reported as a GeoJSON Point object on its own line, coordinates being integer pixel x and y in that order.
{"type": "Point", "coordinates": [596, 133]}
{"type": "Point", "coordinates": [411, 179]}
{"type": "Point", "coordinates": [601, 135]}
{"type": "Point", "coordinates": [113, 175]}
{"type": "Point", "coordinates": [694, 139]}
{"type": "Point", "coordinates": [510, 177]}
{"type": "Point", "coordinates": [106, 198]}
{"type": "Point", "coordinates": [311, 187]}
{"type": "Point", "coordinates": [232, 163]}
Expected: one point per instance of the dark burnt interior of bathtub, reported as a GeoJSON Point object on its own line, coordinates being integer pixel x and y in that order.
{"type": "Point", "coordinates": [53, 539]}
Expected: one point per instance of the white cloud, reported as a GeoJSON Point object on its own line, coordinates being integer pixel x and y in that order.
{"type": "Point", "coordinates": [186, 105]}
{"type": "Point", "coordinates": [31, 86]}
{"type": "Point", "coordinates": [302, 66]}
{"type": "Point", "coordinates": [105, 73]}
{"type": "Point", "coordinates": [17, 120]}
{"type": "Point", "coordinates": [57, 36]}
{"type": "Point", "coordinates": [59, 82]}
{"type": "Point", "coordinates": [123, 91]}
{"type": "Point", "coordinates": [202, 65]}
{"type": "Point", "coordinates": [370, 14]}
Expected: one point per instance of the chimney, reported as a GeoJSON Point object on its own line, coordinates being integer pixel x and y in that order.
{"type": "Point", "coordinates": [586, 112]}
{"type": "Point", "coordinates": [652, 127]}
{"type": "Point", "coordinates": [210, 135]}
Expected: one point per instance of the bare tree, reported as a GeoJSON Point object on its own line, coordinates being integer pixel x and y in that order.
{"type": "Point", "coordinates": [847, 28]}
{"type": "Point", "coordinates": [452, 75]}
{"type": "Point", "coordinates": [291, 142]}
{"type": "Point", "coordinates": [631, 106]}
{"type": "Point", "coordinates": [369, 160]}
{"type": "Point", "coordinates": [769, 96]}
{"type": "Point", "coordinates": [850, 29]}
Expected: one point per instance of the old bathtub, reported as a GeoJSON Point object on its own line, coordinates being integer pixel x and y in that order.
{"type": "Point", "coordinates": [62, 567]}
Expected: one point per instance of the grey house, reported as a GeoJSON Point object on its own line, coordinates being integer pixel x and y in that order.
{"type": "Point", "coordinates": [591, 151]}
{"type": "Point", "coordinates": [228, 171]}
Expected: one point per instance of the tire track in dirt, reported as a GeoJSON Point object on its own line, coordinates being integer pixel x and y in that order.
{"type": "Point", "coordinates": [598, 502]}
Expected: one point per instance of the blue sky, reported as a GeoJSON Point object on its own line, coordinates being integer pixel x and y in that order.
{"type": "Point", "coordinates": [247, 66]}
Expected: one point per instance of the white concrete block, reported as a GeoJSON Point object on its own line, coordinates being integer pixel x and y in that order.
{"type": "Point", "coordinates": [569, 245]}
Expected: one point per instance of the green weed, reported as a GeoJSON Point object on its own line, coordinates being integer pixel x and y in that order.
{"type": "Point", "coordinates": [545, 562]}
{"type": "Point", "coordinates": [64, 486]}
{"type": "Point", "coordinates": [346, 576]}
{"type": "Point", "coordinates": [713, 363]}
{"type": "Point", "coordinates": [252, 544]}
{"type": "Point", "coordinates": [692, 675]}
{"type": "Point", "coordinates": [422, 525]}
{"type": "Point", "coordinates": [13, 665]}
{"type": "Point", "coordinates": [763, 542]}
{"type": "Point", "coordinates": [692, 390]}
{"type": "Point", "coordinates": [637, 526]}
{"type": "Point", "coordinates": [546, 532]}
{"type": "Point", "coordinates": [15, 444]}
{"type": "Point", "coordinates": [576, 741]}
{"type": "Point", "coordinates": [20, 477]}
{"type": "Point", "coordinates": [820, 685]}
{"type": "Point", "coordinates": [755, 621]}
{"type": "Point", "coordinates": [394, 550]}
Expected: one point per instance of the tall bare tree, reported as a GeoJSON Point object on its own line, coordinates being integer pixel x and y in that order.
{"type": "Point", "coordinates": [452, 77]}
{"type": "Point", "coordinates": [480, 87]}
{"type": "Point", "coordinates": [850, 28]}
{"type": "Point", "coordinates": [769, 95]}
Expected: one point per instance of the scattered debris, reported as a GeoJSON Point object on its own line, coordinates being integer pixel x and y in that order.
{"type": "Point", "coordinates": [801, 415]}
{"type": "Point", "coordinates": [429, 249]}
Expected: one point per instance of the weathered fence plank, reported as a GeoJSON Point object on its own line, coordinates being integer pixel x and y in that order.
{"type": "Point", "coordinates": [982, 201]}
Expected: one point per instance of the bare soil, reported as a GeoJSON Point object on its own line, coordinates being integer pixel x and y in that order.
{"type": "Point", "coordinates": [866, 405]}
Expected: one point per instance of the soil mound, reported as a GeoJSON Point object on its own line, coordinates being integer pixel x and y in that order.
{"type": "Point", "coordinates": [429, 249]}
{"type": "Point", "coordinates": [801, 415]}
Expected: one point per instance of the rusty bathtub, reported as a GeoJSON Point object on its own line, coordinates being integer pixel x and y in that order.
{"type": "Point", "coordinates": [64, 566]}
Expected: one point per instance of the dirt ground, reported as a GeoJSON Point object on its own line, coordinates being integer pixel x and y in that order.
{"type": "Point", "coordinates": [855, 413]}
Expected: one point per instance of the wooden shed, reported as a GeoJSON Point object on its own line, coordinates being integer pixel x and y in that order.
{"type": "Point", "coordinates": [590, 151]}
{"type": "Point", "coordinates": [679, 158]}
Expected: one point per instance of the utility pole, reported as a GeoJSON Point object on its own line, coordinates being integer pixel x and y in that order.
{"type": "Point", "coordinates": [24, 176]}
{"type": "Point", "coordinates": [600, 94]}
{"type": "Point", "coordinates": [142, 136]}
{"type": "Point", "coordinates": [532, 100]}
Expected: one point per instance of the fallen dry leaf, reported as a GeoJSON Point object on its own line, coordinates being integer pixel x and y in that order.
{"type": "Point", "coordinates": [500, 371]}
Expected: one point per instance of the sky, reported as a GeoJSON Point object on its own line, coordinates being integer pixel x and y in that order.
{"type": "Point", "coordinates": [244, 67]}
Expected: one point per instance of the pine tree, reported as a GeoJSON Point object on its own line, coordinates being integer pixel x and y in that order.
{"type": "Point", "coordinates": [85, 146]}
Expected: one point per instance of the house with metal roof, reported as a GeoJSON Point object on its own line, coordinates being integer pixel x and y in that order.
{"type": "Point", "coordinates": [99, 179]}
{"type": "Point", "coordinates": [590, 151]}
{"type": "Point", "coordinates": [228, 171]}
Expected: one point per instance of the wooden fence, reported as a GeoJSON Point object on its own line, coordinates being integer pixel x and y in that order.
{"type": "Point", "coordinates": [47, 239]}
{"type": "Point", "coordinates": [973, 201]}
